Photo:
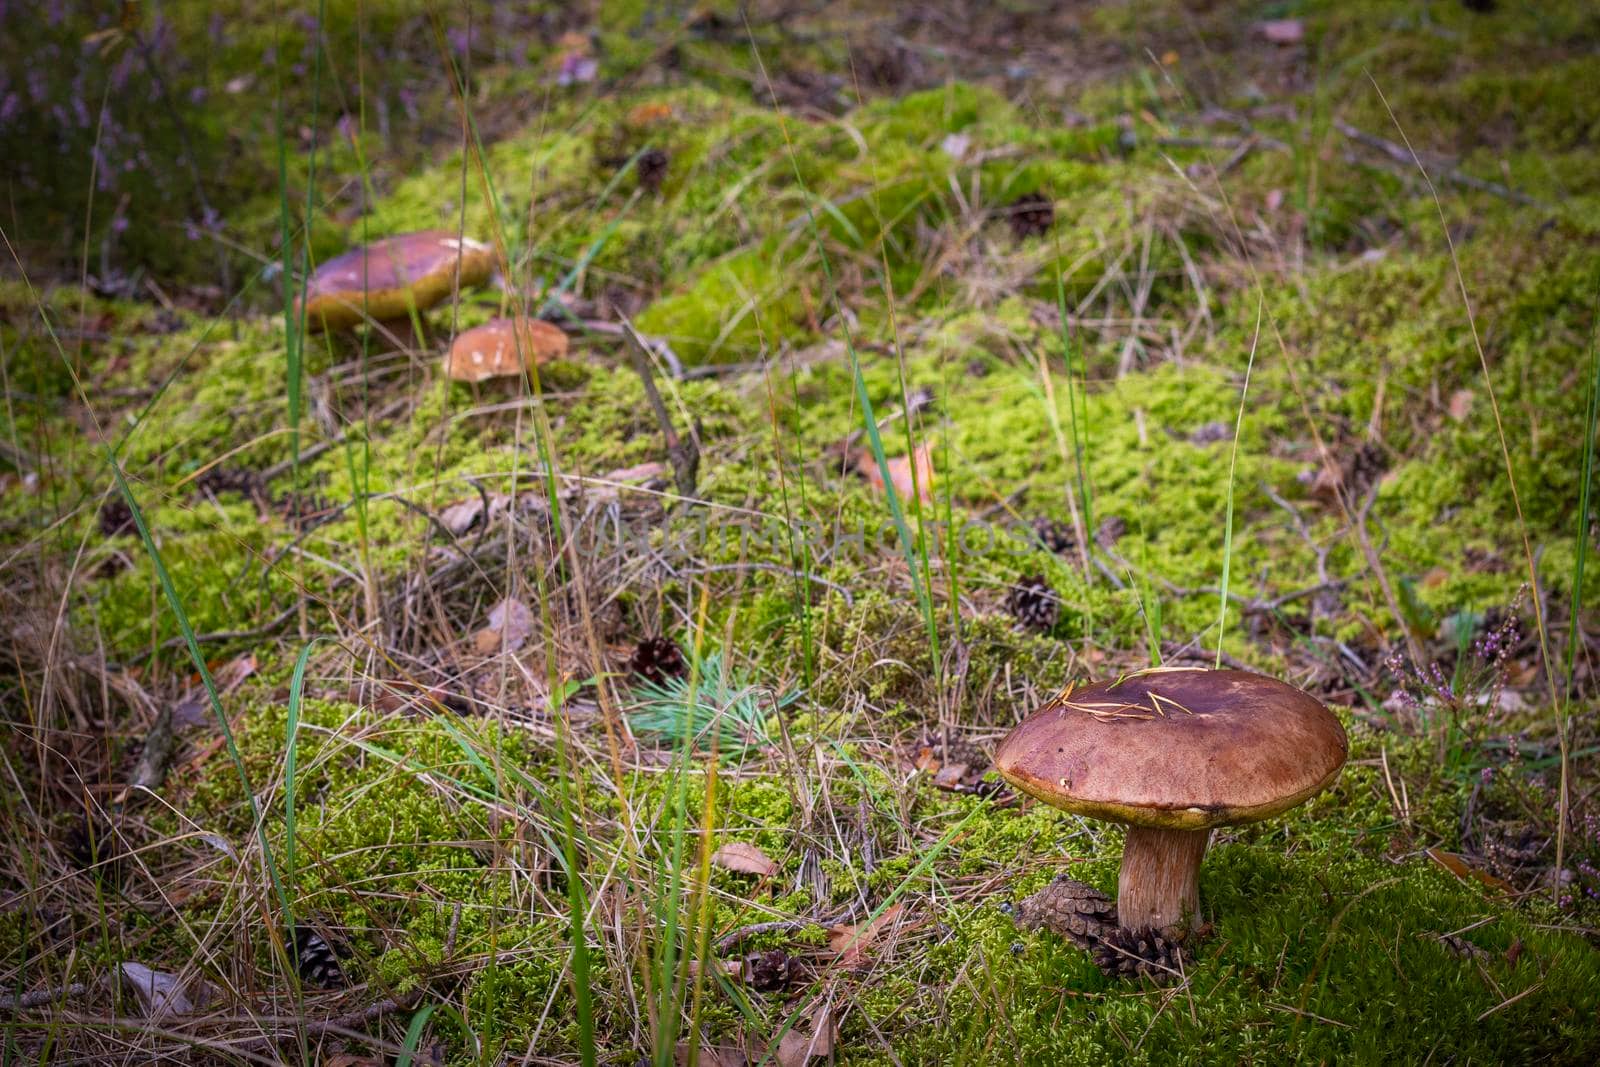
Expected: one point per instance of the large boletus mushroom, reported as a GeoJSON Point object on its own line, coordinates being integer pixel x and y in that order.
{"type": "Point", "coordinates": [502, 347]}
{"type": "Point", "coordinates": [1172, 753]}
{"type": "Point", "coordinates": [384, 280]}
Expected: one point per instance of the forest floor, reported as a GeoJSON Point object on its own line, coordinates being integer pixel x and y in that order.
{"type": "Point", "coordinates": [1018, 345]}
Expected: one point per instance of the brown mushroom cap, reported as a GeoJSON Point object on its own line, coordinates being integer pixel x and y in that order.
{"type": "Point", "coordinates": [385, 279]}
{"type": "Point", "coordinates": [1177, 748]}
{"type": "Point", "coordinates": [503, 347]}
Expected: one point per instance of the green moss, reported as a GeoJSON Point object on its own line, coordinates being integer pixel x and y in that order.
{"type": "Point", "coordinates": [1322, 949]}
{"type": "Point", "coordinates": [1289, 932]}
{"type": "Point", "coordinates": [730, 311]}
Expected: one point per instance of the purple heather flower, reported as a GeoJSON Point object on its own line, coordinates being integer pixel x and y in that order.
{"type": "Point", "coordinates": [120, 72]}
{"type": "Point", "coordinates": [577, 68]}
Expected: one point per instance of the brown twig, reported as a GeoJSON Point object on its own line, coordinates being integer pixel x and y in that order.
{"type": "Point", "coordinates": [731, 940]}
{"type": "Point", "coordinates": [1400, 155]}
{"type": "Point", "coordinates": [347, 1025]}
{"type": "Point", "coordinates": [682, 452]}
{"type": "Point", "coordinates": [41, 997]}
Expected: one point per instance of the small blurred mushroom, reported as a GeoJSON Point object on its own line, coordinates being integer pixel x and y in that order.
{"type": "Point", "coordinates": [1171, 753]}
{"type": "Point", "coordinates": [503, 348]}
{"type": "Point", "coordinates": [385, 280]}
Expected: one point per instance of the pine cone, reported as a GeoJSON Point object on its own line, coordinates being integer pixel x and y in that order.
{"type": "Point", "coordinates": [1349, 475]}
{"type": "Point", "coordinates": [1034, 603]}
{"type": "Point", "coordinates": [115, 516]}
{"type": "Point", "coordinates": [316, 960]}
{"type": "Point", "coordinates": [953, 748]}
{"type": "Point", "coordinates": [651, 167]}
{"type": "Point", "coordinates": [225, 480]}
{"type": "Point", "coordinates": [1366, 466]}
{"type": "Point", "coordinates": [1110, 531]}
{"type": "Point", "coordinates": [1124, 953]}
{"type": "Point", "coordinates": [1030, 216]}
{"type": "Point", "coordinates": [657, 659]}
{"type": "Point", "coordinates": [1078, 912]}
{"type": "Point", "coordinates": [769, 971]}
{"type": "Point", "coordinates": [1054, 534]}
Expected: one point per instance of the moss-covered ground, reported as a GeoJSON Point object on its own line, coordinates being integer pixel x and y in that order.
{"type": "Point", "coordinates": [1302, 402]}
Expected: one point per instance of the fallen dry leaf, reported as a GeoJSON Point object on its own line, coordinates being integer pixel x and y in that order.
{"type": "Point", "coordinates": [743, 858]}
{"type": "Point", "coordinates": [191, 713]}
{"type": "Point", "coordinates": [462, 516]}
{"type": "Point", "coordinates": [900, 473]}
{"type": "Point", "coordinates": [467, 515]}
{"type": "Point", "coordinates": [160, 993]}
{"type": "Point", "coordinates": [232, 674]}
{"type": "Point", "coordinates": [643, 472]}
{"type": "Point", "coordinates": [1462, 868]}
{"type": "Point", "coordinates": [510, 626]}
{"type": "Point", "coordinates": [798, 1046]}
{"type": "Point", "coordinates": [850, 943]}
{"type": "Point", "coordinates": [1282, 31]}
{"type": "Point", "coordinates": [959, 767]}
{"type": "Point", "coordinates": [709, 1055]}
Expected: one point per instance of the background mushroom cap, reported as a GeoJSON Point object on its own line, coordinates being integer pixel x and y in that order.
{"type": "Point", "coordinates": [385, 278]}
{"type": "Point", "coordinates": [1177, 748]}
{"type": "Point", "coordinates": [502, 347]}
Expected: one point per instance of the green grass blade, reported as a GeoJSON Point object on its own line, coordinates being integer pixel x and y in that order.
{"type": "Point", "coordinates": [297, 689]}
{"type": "Point", "coordinates": [1233, 464]}
{"type": "Point", "coordinates": [419, 1023]}
{"type": "Point", "coordinates": [175, 604]}
{"type": "Point", "coordinates": [1581, 520]}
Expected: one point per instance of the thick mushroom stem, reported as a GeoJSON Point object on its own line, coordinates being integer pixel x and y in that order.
{"type": "Point", "coordinates": [1159, 886]}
